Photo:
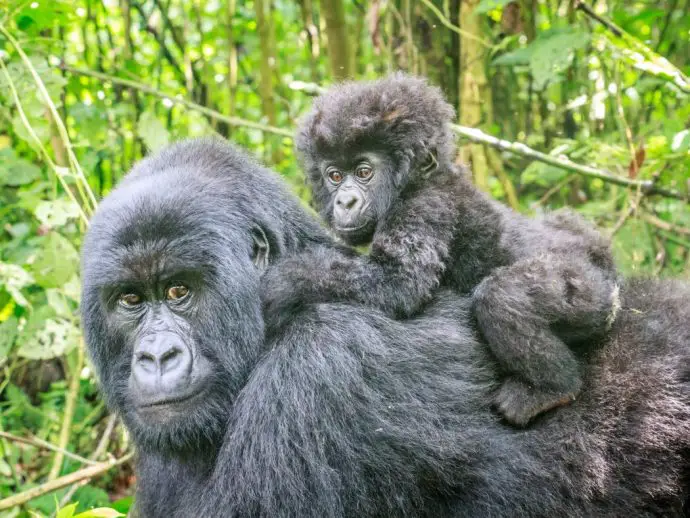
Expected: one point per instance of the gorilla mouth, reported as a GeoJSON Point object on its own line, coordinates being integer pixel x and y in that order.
{"type": "Point", "coordinates": [351, 229]}
{"type": "Point", "coordinates": [171, 400]}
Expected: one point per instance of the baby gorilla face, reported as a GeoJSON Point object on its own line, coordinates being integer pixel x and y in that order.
{"type": "Point", "coordinates": [360, 190]}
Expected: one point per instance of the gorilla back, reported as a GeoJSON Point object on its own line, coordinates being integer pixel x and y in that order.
{"type": "Point", "coordinates": [343, 411]}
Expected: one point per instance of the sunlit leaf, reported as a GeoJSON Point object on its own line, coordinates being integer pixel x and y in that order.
{"type": "Point", "coordinates": [13, 278]}
{"type": "Point", "coordinates": [681, 141]}
{"type": "Point", "coordinates": [56, 262]}
{"type": "Point", "coordinates": [56, 213]}
{"type": "Point", "coordinates": [152, 131]}
{"type": "Point", "coordinates": [45, 338]}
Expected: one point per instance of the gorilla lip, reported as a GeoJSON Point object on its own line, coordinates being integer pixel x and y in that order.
{"type": "Point", "coordinates": [171, 401]}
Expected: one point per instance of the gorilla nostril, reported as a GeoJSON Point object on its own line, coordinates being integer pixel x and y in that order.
{"type": "Point", "coordinates": [171, 359]}
{"type": "Point", "coordinates": [347, 202]}
{"type": "Point", "coordinates": [146, 361]}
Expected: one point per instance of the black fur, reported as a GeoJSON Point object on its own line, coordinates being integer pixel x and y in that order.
{"type": "Point", "coordinates": [540, 285]}
{"type": "Point", "coordinates": [345, 412]}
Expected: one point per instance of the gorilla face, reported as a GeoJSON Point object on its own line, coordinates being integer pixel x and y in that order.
{"type": "Point", "coordinates": [360, 187]}
{"type": "Point", "coordinates": [162, 320]}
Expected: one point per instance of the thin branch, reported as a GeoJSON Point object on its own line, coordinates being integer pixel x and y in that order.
{"type": "Point", "coordinates": [70, 405]}
{"type": "Point", "coordinates": [648, 187]}
{"type": "Point", "coordinates": [59, 483]}
{"type": "Point", "coordinates": [232, 121]}
{"type": "Point", "coordinates": [447, 23]}
{"type": "Point", "coordinates": [665, 225]}
{"type": "Point", "coordinates": [40, 443]}
{"type": "Point", "coordinates": [100, 449]}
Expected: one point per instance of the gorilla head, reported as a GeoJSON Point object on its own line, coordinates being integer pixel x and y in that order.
{"type": "Point", "coordinates": [362, 143]}
{"type": "Point", "coordinates": [157, 310]}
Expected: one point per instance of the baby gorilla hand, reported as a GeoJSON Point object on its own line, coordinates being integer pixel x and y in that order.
{"type": "Point", "coordinates": [313, 277]}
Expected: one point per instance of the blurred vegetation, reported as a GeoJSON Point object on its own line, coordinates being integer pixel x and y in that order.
{"type": "Point", "coordinates": [87, 87]}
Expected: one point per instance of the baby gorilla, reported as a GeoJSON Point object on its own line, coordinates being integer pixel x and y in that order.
{"type": "Point", "coordinates": [380, 159]}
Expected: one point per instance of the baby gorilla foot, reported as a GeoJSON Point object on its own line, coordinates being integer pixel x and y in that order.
{"type": "Point", "coordinates": [519, 402]}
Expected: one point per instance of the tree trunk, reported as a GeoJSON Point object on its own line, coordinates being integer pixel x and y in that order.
{"type": "Point", "coordinates": [474, 94]}
{"type": "Point", "coordinates": [264, 26]}
{"type": "Point", "coordinates": [232, 58]}
{"type": "Point", "coordinates": [339, 50]}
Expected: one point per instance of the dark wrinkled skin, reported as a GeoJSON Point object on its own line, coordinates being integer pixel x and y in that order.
{"type": "Point", "coordinates": [379, 157]}
{"type": "Point", "coordinates": [344, 412]}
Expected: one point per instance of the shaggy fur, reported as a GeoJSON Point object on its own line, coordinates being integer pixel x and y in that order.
{"type": "Point", "coordinates": [540, 286]}
{"type": "Point", "coordinates": [344, 412]}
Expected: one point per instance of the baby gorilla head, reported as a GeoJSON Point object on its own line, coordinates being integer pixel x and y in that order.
{"type": "Point", "coordinates": [364, 143]}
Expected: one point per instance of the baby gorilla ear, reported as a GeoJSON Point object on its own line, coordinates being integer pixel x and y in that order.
{"type": "Point", "coordinates": [261, 248]}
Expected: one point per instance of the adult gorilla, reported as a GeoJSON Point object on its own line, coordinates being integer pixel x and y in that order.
{"type": "Point", "coordinates": [344, 412]}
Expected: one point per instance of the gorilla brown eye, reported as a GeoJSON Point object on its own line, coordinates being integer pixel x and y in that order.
{"type": "Point", "coordinates": [364, 172]}
{"type": "Point", "coordinates": [335, 176]}
{"type": "Point", "coordinates": [177, 292]}
{"type": "Point", "coordinates": [129, 300]}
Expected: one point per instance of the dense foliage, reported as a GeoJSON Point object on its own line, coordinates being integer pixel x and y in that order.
{"type": "Point", "coordinates": [87, 87]}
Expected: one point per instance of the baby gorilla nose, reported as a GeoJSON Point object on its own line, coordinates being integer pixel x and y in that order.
{"type": "Point", "coordinates": [161, 367]}
{"type": "Point", "coordinates": [348, 206]}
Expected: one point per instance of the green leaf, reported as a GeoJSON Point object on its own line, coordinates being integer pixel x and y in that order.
{"type": "Point", "coordinates": [544, 175]}
{"type": "Point", "coordinates": [681, 141]}
{"type": "Point", "coordinates": [488, 5]}
{"type": "Point", "coordinates": [8, 332]}
{"type": "Point", "coordinates": [16, 171]}
{"type": "Point", "coordinates": [56, 213]}
{"type": "Point", "coordinates": [90, 497]}
{"type": "Point", "coordinates": [548, 55]}
{"type": "Point", "coordinates": [14, 278]}
{"type": "Point", "coordinates": [44, 337]}
{"type": "Point", "coordinates": [56, 262]}
{"type": "Point", "coordinates": [67, 511]}
{"type": "Point", "coordinates": [152, 131]}
{"type": "Point", "coordinates": [101, 512]}
{"type": "Point", "coordinates": [57, 301]}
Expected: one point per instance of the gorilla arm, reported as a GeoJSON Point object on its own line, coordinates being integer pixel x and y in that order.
{"type": "Point", "coordinates": [408, 256]}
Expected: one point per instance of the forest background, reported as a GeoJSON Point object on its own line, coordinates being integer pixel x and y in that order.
{"type": "Point", "coordinates": [560, 102]}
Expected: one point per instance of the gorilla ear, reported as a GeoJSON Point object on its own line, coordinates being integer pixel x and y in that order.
{"type": "Point", "coordinates": [261, 248]}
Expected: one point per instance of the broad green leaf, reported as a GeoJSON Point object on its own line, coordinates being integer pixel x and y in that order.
{"type": "Point", "coordinates": [56, 213]}
{"type": "Point", "coordinates": [152, 131]}
{"type": "Point", "coordinates": [56, 262]}
{"type": "Point", "coordinates": [57, 301]}
{"type": "Point", "coordinates": [13, 278]}
{"type": "Point", "coordinates": [50, 338]}
{"type": "Point", "coordinates": [15, 171]}
{"type": "Point", "coordinates": [548, 55]}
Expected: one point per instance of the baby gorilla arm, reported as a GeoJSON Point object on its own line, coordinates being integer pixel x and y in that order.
{"type": "Point", "coordinates": [527, 312]}
{"type": "Point", "coordinates": [408, 257]}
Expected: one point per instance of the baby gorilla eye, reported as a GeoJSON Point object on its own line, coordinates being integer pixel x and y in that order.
{"type": "Point", "coordinates": [364, 172]}
{"type": "Point", "coordinates": [129, 300]}
{"type": "Point", "coordinates": [177, 292]}
{"type": "Point", "coordinates": [334, 175]}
